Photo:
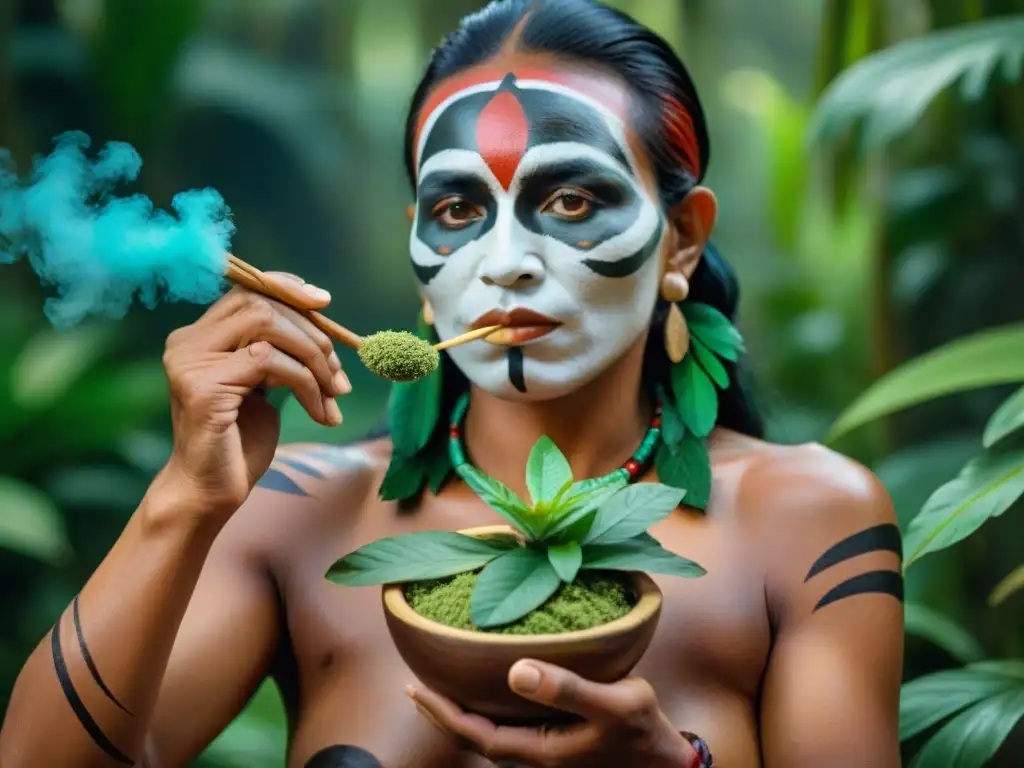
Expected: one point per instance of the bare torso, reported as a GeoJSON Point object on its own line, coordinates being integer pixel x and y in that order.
{"type": "Point", "coordinates": [344, 680]}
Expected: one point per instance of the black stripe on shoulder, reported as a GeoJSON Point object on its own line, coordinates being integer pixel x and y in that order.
{"type": "Point", "coordinates": [872, 582]}
{"type": "Point", "coordinates": [878, 538]}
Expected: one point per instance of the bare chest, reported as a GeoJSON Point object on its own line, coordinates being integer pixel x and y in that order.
{"type": "Point", "coordinates": [705, 662]}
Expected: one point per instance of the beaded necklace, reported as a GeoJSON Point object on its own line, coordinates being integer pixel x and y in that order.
{"type": "Point", "coordinates": [627, 473]}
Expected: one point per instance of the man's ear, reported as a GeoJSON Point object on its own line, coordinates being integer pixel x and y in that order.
{"type": "Point", "coordinates": [411, 212]}
{"type": "Point", "coordinates": [692, 221]}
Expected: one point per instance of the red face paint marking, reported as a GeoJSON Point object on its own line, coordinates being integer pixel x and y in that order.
{"type": "Point", "coordinates": [588, 86]}
{"type": "Point", "coordinates": [502, 132]}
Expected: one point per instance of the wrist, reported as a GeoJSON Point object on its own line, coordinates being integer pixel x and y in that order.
{"type": "Point", "coordinates": [174, 505]}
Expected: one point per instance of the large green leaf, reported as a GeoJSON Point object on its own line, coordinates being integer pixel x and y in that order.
{"type": "Point", "coordinates": [929, 699]}
{"type": "Point", "coordinates": [566, 559]}
{"type": "Point", "coordinates": [511, 586]}
{"type": "Point", "coordinates": [890, 90]}
{"type": "Point", "coordinates": [30, 522]}
{"type": "Point", "coordinates": [1009, 417]}
{"type": "Point", "coordinates": [713, 329]}
{"type": "Point", "coordinates": [971, 738]}
{"type": "Point", "coordinates": [922, 621]}
{"type": "Point", "coordinates": [504, 501]}
{"type": "Point", "coordinates": [687, 467]}
{"type": "Point", "coordinates": [415, 557]}
{"type": "Point", "coordinates": [547, 470]}
{"type": "Point", "coordinates": [985, 488]}
{"type": "Point", "coordinates": [632, 511]}
{"type": "Point", "coordinates": [641, 553]}
{"type": "Point", "coordinates": [574, 516]}
{"type": "Point", "coordinates": [696, 398]}
{"type": "Point", "coordinates": [991, 357]}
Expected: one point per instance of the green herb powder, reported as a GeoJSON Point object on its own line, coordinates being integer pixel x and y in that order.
{"type": "Point", "coordinates": [591, 600]}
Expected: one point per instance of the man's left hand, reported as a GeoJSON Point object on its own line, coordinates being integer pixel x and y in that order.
{"type": "Point", "coordinates": [623, 724]}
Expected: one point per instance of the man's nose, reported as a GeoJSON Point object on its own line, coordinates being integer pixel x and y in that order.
{"type": "Point", "coordinates": [510, 261]}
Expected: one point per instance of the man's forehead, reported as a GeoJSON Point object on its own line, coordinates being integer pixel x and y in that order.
{"type": "Point", "coordinates": [585, 83]}
{"type": "Point", "coordinates": [502, 119]}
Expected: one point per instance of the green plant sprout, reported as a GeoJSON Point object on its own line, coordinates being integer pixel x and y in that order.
{"type": "Point", "coordinates": [569, 526]}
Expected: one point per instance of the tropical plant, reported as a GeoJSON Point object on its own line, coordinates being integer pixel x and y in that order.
{"type": "Point", "coordinates": [569, 526]}
{"type": "Point", "coordinates": [979, 704]}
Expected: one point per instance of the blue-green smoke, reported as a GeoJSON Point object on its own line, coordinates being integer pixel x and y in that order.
{"type": "Point", "coordinates": [100, 252]}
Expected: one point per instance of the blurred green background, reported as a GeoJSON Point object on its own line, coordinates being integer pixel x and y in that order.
{"type": "Point", "coordinates": [852, 260]}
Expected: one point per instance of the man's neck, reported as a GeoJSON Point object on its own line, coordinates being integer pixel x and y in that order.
{"type": "Point", "coordinates": [597, 427]}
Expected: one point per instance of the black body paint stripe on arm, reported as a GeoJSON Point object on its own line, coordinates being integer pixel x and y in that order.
{"type": "Point", "coordinates": [872, 582]}
{"type": "Point", "coordinates": [77, 705]}
{"type": "Point", "coordinates": [88, 658]}
{"type": "Point", "coordinates": [879, 538]}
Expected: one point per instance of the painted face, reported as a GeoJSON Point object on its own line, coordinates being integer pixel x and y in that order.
{"type": "Point", "coordinates": [531, 209]}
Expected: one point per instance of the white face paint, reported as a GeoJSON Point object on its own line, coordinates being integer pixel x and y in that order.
{"type": "Point", "coordinates": [529, 198]}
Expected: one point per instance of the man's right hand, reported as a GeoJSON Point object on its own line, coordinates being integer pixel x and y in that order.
{"type": "Point", "coordinates": [225, 431]}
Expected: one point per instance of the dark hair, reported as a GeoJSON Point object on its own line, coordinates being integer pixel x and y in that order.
{"type": "Point", "coordinates": [592, 33]}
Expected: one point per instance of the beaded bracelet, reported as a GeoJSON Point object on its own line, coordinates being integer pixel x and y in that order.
{"type": "Point", "coordinates": [701, 748]}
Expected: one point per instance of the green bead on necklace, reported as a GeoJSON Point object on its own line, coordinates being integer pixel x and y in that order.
{"type": "Point", "coordinates": [627, 473]}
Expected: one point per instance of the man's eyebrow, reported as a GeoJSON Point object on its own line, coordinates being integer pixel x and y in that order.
{"type": "Point", "coordinates": [574, 169]}
{"type": "Point", "coordinates": [442, 180]}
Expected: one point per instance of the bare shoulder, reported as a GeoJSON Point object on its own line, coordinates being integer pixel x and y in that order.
{"type": "Point", "coordinates": [309, 490]}
{"type": "Point", "coordinates": [816, 518]}
{"type": "Point", "coordinates": [808, 486]}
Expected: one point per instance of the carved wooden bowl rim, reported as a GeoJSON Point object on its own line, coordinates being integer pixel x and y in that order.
{"type": "Point", "coordinates": [647, 606]}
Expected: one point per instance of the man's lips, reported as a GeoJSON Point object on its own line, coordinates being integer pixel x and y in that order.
{"type": "Point", "coordinates": [520, 325]}
{"type": "Point", "coordinates": [512, 318]}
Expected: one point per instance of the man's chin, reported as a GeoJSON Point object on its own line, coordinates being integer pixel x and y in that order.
{"type": "Point", "coordinates": [535, 388]}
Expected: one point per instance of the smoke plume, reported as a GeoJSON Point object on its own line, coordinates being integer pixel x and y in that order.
{"type": "Point", "coordinates": [100, 252]}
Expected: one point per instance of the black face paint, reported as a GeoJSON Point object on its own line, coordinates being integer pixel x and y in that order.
{"type": "Point", "coordinates": [615, 210]}
{"type": "Point", "coordinates": [442, 240]}
{"type": "Point", "coordinates": [879, 582]}
{"type": "Point", "coordinates": [343, 756]}
{"type": "Point", "coordinates": [629, 264]}
{"type": "Point", "coordinates": [515, 368]}
{"type": "Point", "coordinates": [879, 538]}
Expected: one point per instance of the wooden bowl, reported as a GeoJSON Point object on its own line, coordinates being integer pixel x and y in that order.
{"type": "Point", "coordinates": [471, 668]}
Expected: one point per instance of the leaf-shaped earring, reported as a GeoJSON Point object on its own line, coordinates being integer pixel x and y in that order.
{"type": "Point", "coordinates": [675, 288]}
{"type": "Point", "coordinates": [428, 313]}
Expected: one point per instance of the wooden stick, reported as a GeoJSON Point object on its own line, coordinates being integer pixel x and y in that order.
{"type": "Point", "coordinates": [479, 333]}
{"type": "Point", "coordinates": [249, 277]}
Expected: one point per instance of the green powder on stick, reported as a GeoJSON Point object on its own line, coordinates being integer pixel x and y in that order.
{"type": "Point", "coordinates": [591, 600]}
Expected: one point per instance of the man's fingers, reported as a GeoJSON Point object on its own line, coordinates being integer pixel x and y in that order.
{"type": "Point", "coordinates": [295, 291]}
{"type": "Point", "coordinates": [537, 747]}
{"type": "Point", "coordinates": [261, 364]}
{"type": "Point", "coordinates": [261, 321]}
{"type": "Point", "coordinates": [625, 703]}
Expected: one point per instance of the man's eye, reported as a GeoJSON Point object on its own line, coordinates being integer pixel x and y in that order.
{"type": "Point", "coordinates": [569, 204]}
{"type": "Point", "coordinates": [455, 213]}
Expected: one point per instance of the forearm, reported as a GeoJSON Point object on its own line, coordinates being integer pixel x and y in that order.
{"type": "Point", "coordinates": [86, 694]}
